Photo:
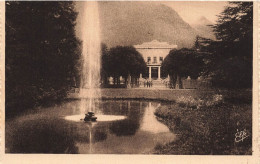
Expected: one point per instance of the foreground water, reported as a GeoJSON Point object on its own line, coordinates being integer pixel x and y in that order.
{"type": "Point", "coordinates": [123, 127]}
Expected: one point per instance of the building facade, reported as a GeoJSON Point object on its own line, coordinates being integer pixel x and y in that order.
{"type": "Point", "coordinates": [154, 53]}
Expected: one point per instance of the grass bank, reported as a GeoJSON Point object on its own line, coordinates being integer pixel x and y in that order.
{"type": "Point", "coordinates": [172, 95]}
{"type": "Point", "coordinates": [208, 124]}
{"type": "Point", "coordinates": [166, 95]}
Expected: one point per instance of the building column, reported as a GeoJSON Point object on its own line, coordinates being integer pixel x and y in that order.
{"type": "Point", "coordinates": [141, 76]}
{"type": "Point", "coordinates": [150, 73]}
{"type": "Point", "coordinates": [129, 81]}
{"type": "Point", "coordinates": [159, 72]}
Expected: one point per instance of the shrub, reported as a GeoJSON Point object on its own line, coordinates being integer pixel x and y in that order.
{"type": "Point", "coordinates": [197, 103]}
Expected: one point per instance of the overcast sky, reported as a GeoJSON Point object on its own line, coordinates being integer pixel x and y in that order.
{"type": "Point", "coordinates": [190, 11]}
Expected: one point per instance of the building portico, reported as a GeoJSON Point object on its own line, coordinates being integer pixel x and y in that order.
{"type": "Point", "coordinates": [154, 72]}
{"type": "Point", "coordinates": [154, 53]}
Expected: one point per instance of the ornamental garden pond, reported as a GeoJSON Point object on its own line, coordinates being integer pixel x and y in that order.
{"type": "Point", "coordinates": [175, 122]}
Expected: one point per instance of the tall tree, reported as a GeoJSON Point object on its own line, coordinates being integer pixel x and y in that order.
{"type": "Point", "coordinates": [42, 51]}
{"type": "Point", "coordinates": [125, 61]}
{"type": "Point", "coordinates": [182, 63]}
{"type": "Point", "coordinates": [105, 63]}
{"type": "Point", "coordinates": [231, 60]}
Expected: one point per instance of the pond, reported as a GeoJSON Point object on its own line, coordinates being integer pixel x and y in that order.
{"type": "Point", "coordinates": [122, 127]}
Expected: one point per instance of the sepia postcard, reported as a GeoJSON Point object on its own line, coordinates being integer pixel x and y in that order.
{"type": "Point", "coordinates": [129, 82]}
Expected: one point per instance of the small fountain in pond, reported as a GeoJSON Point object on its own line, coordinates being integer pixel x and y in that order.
{"type": "Point", "coordinates": [90, 117]}
{"type": "Point", "coordinates": [90, 92]}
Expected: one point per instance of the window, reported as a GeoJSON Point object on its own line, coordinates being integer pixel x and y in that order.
{"type": "Point", "coordinates": [148, 59]}
{"type": "Point", "coordinates": [161, 59]}
{"type": "Point", "coordinates": [154, 60]}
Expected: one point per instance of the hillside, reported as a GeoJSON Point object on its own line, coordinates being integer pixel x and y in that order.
{"type": "Point", "coordinates": [203, 28]}
{"type": "Point", "coordinates": [130, 23]}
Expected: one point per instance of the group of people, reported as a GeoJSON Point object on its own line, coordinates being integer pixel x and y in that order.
{"type": "Point", "coordinates": [148, 83]}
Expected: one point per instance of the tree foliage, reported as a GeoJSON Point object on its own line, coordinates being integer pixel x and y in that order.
{"type": "Point", "coordinates": [42, 51]}
{"type": "Point", "coordinates": [122, 61]}
{"type": "Point", "coordinates": [104, 65]}
{"type": "Point", "coordinates": [230, 62]}
{"type": "Point", "coordinates": [182, 63]}
{"type": "Point", "coordinates": [235, 22]}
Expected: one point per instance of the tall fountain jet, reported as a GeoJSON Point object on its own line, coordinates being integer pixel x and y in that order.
{"type": "Point", "coordinates": [91, 50]}
{"type": "Point", "coordinates": [90, 92]}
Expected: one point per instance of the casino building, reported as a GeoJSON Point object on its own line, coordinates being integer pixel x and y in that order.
{"type": "Point", "coordinates": [154, 53]}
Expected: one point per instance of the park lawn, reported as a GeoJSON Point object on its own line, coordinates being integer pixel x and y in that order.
{"type": "Point", "coordinates": [209, 128]}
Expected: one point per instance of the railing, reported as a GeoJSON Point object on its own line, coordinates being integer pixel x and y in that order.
{"type": "Point", "coordinates": [154, 62]}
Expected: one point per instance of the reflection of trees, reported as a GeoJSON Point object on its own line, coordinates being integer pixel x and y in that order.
{"type": "Point", "coordinates": [53, 136]}
{"type": "Point", "coordinates": [41, 136]}
{"type": "Point", "coordinates": [114, 107]}
{"type": "Point", "coordinates": [82, 132]}
{"type": "Point", "coordinates": [124, 127]}
{"type": "Point", "coordinates": [130, 125]}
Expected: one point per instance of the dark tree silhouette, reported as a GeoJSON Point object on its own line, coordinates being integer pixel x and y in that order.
{"type": "Point", "coordinates": [124, 61]}
{"type": "Point", "coordinates": [182, 63]}
{"type": "Point", "coordinates": [42, 52]}
{"type": "Point", "coordinates": [230, 63]}
{"type": "Point", "coordinates": [104, 65]}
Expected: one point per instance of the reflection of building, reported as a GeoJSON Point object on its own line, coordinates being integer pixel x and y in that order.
{"type": "Point", "coordinates": [154, 53]}
{"type": "Point", "coordinates": [150, 123]}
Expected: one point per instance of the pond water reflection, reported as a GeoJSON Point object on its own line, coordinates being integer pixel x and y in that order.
{"type": "Point", "coordinates": [47, 131]}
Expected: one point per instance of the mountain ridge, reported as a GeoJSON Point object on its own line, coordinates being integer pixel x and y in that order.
{"type": "Point", "coordinates": [131, 23]}
{"type": "Point", "coordinates": [203, 28]}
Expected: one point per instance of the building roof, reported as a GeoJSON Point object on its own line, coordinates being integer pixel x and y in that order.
{"type": "Point", "coordinates": [155, 44]}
